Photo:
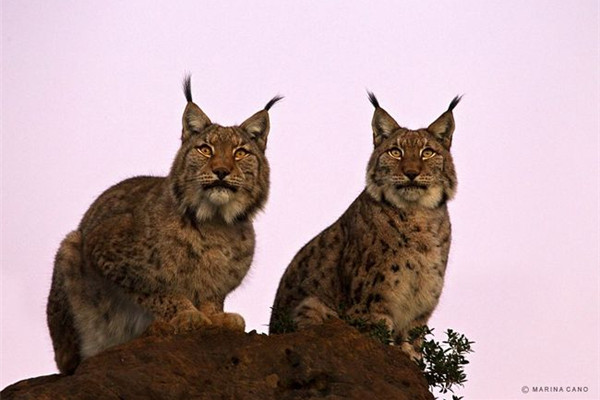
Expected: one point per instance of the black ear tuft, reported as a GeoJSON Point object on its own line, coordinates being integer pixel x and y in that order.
{"type": "Point", "coordinates": [373, 99]}
{"type": "Point", "coordinates": [454, 102]}
{"type": "Point", "coordinates": [272, 101]}
{"type": "Point", "coordinates": [187, 87]}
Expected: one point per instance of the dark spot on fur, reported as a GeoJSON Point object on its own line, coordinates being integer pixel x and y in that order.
{"type": "Point", "coordinates": [373, 238]}
{"type": "Point", "coordinates": [369, 301]}
{"type": "Point", "coordinates": [190, 216]}
{"type": "Point", "coordinates": [384, 246]}
{"type": "Point", "coordinates": [191, 252]}
{"type": "Point", "coordinates": [443, 200]}
{"type": "Point", "coordinates": [178, 193]}
{"type": "Point", "coordinates": [358, 293]}
{"type": "Point", "coordinates": [303, 273]}
{"type": "Point", "coordinates": [392, 223]}
{"type": "Point", "coordinates": [409, 266]}
{"type": "Point", "coordinates": [395, 268]}
{"type": "Point", "coordinates": [404, 240]}
{"type": "Point", "coordinates": [370, 262]}
{"type": "Point", "coordinates": [373, 298]}
{"type": "Point", "coordinates": [304, 309]}
{"type": "Point", "coordinates": [401, 215]}
{"type": "Point", "coordinates": [154, 259]}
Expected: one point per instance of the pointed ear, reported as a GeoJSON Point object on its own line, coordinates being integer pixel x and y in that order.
{"type": "Point", "coordinates": [383, 124]}
{"type": "Point", "coordinates": [257, 126]}
{"type": "Point", "coordinates": [443, 127]}
{"type": "Point", "coordinates": [194, 119]}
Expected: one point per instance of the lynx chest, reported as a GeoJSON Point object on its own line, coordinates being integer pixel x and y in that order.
{"type": "Point", "coordinates": [207, 262]}
{"type": "Point", "coordinates": [398, 257]}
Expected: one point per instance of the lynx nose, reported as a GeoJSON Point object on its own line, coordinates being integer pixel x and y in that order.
{"type": "Point", "coordinates": [411, 174]}
{"type": "Point", "coordinates": [221, 172]}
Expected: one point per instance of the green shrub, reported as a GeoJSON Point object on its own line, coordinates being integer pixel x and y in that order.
{"type": "Point", "coordinates": [442, 363]}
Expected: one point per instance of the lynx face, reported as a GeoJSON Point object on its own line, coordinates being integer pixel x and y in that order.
{"type": "Point", "coordinates": [412, 167]}
{"type": "Point", "coordinates": [221, 171]}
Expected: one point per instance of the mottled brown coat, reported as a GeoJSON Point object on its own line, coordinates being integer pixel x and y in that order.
{"type": "Point", "coordinates": [163, 248]}
{"type": "Point", "coordinates": [384, 259]}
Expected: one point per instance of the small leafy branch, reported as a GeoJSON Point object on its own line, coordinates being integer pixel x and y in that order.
{"type": "Point", "coordinates": [442, 363]}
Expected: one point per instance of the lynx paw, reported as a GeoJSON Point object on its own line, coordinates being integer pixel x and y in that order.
{"type": "Point", "coordinates": [190, 320]}
{"type": "Point", "coordinates": [312, 311]}
{"type": "Point", "coordinates": [231, 321]}
{"type": "Point", "coordinates": [377, 319]}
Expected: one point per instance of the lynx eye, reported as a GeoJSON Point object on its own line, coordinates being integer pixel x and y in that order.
{"type": "Point", "coordinates": [240, 153]}
{"type": "Point", "coordinates": [395, 152]}
{"type": "Point", "coordinates": [427, 153]}
{"type": "Point", "coordinates": [205, 150]}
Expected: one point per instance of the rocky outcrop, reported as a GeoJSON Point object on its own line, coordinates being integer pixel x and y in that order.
{"type": "Point", "coordinates": [332, 361]}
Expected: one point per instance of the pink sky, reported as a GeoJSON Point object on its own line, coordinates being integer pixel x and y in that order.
{"type": "Point", "coordinates": [91, 95]}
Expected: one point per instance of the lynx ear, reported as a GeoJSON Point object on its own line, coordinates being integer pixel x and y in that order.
{"type": "Point", "coordinates": [194, 119]}
{"type": "Point", "coordinates": [443, 127]}
{"type": "Point", "coordinates": [383, 124]}
{"type": "Point", "coordinates": [257, 126]}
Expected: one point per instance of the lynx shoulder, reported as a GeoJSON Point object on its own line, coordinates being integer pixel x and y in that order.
{"type": "Point", "coordinates": [163, 248]}
{"type": "Point", "coordinates": [385, 258]}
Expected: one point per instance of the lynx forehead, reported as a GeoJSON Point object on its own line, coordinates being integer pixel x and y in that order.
{"type": "Point", "coordinates": [385, 258]}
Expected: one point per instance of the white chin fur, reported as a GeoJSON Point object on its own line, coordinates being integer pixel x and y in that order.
{"type": "Point", "coordinates": [400, 198]}
{"type": "Point", "coordinates": [220, 202]}
{"type": "Point", "coordinates": [219, 196]}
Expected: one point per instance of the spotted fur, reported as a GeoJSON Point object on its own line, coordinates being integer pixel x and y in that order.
{"type": "Point", "coordinates": [163, 248]}
{"type": "Point", "coordinates": [385, 258]}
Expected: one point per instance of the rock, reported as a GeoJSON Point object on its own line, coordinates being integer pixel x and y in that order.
{"type": "Point", "coordinates": [332, 361]}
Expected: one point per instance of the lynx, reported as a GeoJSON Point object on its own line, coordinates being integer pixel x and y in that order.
{"type": "Point", "coordinates": [163, 248]}
{"type": "Point", "coordinates": [385, 258]}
